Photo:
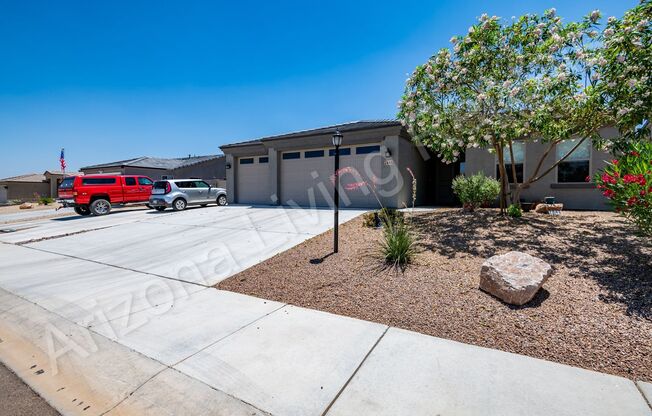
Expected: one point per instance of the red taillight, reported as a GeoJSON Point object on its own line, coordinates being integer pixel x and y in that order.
{"type": "Point", "coordinates": [74, 193]}
{"type": "Point", "coordinates": [168, 187]}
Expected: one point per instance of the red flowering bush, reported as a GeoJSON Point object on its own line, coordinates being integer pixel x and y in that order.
{"type": "Point", "coordinates": [627, 182]}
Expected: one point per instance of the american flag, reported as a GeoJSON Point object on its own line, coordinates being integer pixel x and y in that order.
{"type": "Point", "coordinates": [62, 160]}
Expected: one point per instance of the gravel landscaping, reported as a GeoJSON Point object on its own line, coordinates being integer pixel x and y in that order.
{"type": "Point", "coordinates": [594, 312]}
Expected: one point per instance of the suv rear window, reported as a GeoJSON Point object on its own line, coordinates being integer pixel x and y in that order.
{"type": "Point", "coordinates": [98, 181]}
{"type": "Point", "coordinates": [67, 183]}
{"type": "Point", "coordinates": [186, 184]}
{"type": "Point", "coordinates": [160, 184]}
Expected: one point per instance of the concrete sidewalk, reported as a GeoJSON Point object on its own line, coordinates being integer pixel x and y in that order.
{"type": "Point", "coordinates": [97, 336]}
{"type": "Point", "coordinates": [223, 353]}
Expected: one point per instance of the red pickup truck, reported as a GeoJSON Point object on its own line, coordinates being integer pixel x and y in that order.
{"type": "Point", "coordinates": [95, 194]}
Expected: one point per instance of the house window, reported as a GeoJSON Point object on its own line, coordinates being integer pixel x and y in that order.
{"type": "Point", "coordinates": [263, 159]}
{"type": "Point", "coordinates": [576, 167]}
{"type": "Point", "coordinates": [519, 160]}
{"type": "Point", "coordinates": [363, 150]}
{"type": "Point", "coordinates": [314, 153]}
{"type": "Point", "coordinates": [343, 152]}
{"type": "Point", "coordinates": [247, 161]}
{"type": "Point", "coordinates": [291, 155]}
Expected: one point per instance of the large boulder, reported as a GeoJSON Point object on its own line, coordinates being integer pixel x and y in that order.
{"type": "Point", "coordinates": [514, 277]}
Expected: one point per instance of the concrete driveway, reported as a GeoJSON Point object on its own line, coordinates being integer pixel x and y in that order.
{"type": "Point", "coordinates": [199, 245]}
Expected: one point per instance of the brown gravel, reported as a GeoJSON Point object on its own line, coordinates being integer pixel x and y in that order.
{"type": "Point", "coordinates": [594, 312]}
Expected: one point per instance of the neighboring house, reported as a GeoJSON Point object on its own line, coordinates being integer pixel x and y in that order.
{"type": "Point", "coordinates": [209, 167]}
{"type": "Point", "coordinates": [26, 187]}
{"type": "Point", "coordinates": [378, 159]}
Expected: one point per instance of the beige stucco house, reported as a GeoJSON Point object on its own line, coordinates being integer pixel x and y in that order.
{"type": "Point", "coordinates": [378, 159]}
{"type": "Point", "coordinates": [27, 187]}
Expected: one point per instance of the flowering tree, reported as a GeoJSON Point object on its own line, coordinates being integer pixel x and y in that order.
{"type": "Point", "coordinates": [625, 67]}
{"type": "Point", "coordinates": [627, 183]}
{"type": "Point", "coordinates": [532, 78]}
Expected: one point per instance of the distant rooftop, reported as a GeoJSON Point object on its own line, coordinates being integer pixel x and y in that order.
{"type": "Point", "coordinates": [343, 128]}
{"type": "Point", "coordinates": [156, 162]}
{"type": "Point", "coordinates": [28, 177]}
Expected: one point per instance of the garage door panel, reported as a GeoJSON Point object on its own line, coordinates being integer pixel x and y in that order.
{"type": "Point", "coordinates": [252, 186]}
{"type": "Point", "coordinates": [308, 181]}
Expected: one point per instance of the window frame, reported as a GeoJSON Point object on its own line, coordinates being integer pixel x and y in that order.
{"type": "Point", "coordinates": [313, 154]}
{"type": "Point", "coordinates": [375, 147]}
{"type": "Point", "coordinates": [263, 159]}
{"type": "Point", "coordinates": [344, 151]}
{"type": "Point", "coordinates": [286, 155]}
{"type": "Point", "coordinates": [590, 160]}
{"type": "Point", "coordinates": [509, 170]}
{"type": "Point", "coordinates": [246, 161]}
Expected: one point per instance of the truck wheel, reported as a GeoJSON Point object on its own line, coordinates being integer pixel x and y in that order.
{"type": "Point", "coordinates": [179, 204]}
{"type": "Point", "coordinates": [100, 207]}
{"type": "Point", "coordinates": [82, 210]}
{"type": "Point", "coordinates": [221, 200]}
{"type": "Point", "coordinates": [160, 208]}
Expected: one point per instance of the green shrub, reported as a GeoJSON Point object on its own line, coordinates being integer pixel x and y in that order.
{"type": "Point", "coordinates": [45, 200]}
{"type": "Point", "coordinates": [476, 190]}
{"type": "Point", "coordinates": [514, 211]}
{"type": "Point", "coordinates": [627, 183]}
{"type": "Point", "coordinates": [397, 246]}
{"type": "Point", "coordinates": [391, 216]}
{"type": "Point", "coordinates": [369, 219]}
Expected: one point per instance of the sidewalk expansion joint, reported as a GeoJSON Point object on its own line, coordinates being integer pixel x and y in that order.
{"type": "Point", "coordinates": [638, 387]}
{"type": "Point", "coordinates": [117, 267]}
{"type": "Point", "coordinates": [54, 237]}
{"type": "Point", "coordinates": [337, 396]}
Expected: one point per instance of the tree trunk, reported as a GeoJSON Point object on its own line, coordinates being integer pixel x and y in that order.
{"type": "Point", "coordinates": [503, 179]}
{"type": "Point", "coordinates": [515, 194]}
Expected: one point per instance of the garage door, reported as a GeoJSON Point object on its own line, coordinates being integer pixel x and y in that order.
{"type": "Point", "coordinates": [252, 183]}
{"type": "Point", "coordinates": [306, 176]}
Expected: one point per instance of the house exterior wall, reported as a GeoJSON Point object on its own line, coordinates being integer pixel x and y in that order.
{"type": "Point", "coordinates": [393, 188]}
{"type": "Point", "coordinates": [209, 170]}
{"type": "Point", "coordinates": [572, 195]}
{"type": "Point", "coordinates": [212, 170]}
{"type": "Point", "coordinates": [24, 191]}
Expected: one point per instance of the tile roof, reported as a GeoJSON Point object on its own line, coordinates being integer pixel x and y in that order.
{"type": "Point", "coordinates": [156, 162]}
{"type": "Point", "coordinates": [29, 177]}
{"type": "Point", "coordinates": [343, 128]}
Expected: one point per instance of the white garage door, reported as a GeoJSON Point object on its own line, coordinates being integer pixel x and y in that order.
{"type": "Point", "coordinates": [252, 183]}
{"type": "Point", "coordinates": [307, 176]}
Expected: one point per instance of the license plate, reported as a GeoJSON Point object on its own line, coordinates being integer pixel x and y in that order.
{"type": "Point", "coordinates": [158, 191]}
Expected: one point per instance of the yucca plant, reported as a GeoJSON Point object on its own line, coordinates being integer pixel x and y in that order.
{"type": "Point", "coordinates": [397, 246]}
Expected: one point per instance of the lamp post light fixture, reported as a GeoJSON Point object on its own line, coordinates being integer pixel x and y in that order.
{"type": "Point", "coordinates": [337, 142]}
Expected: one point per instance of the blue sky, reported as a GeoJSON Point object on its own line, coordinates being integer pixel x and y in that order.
{"type": "Point", "coordinates": [114, 80]}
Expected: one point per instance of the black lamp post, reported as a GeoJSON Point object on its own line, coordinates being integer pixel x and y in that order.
{"type": "Point", "coordinates": [337, 142]}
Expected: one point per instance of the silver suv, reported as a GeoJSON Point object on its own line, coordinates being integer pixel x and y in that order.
{"type": "Point", "coordinates": [179, 193]}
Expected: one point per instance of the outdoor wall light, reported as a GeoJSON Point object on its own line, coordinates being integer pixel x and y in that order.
{"type": "Point", "coordinates": [228, 166]}
{"type": "Point", "coordinates": [388, 154]}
